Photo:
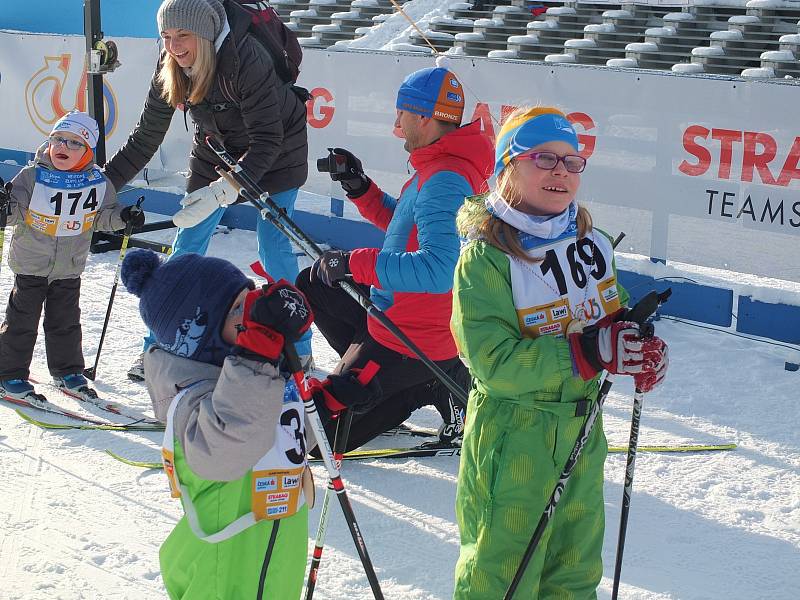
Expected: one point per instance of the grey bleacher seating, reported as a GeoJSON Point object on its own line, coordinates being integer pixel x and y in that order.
{"type": "Point", "coordinates": [285, 7]}
{"type": "Point", "coordinates": [752, 42]}
{"type": "Point", "coordinates": [318, 13]}
{"type": "Point", "coordinates": [761, 39]}
{"type": "Point", "coordinates": [337, 22]}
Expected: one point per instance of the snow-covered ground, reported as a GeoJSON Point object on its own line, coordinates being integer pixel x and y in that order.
{"type": "Point", "coordinates": [74, 523]}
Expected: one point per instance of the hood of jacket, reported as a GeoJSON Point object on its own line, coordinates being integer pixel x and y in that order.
{"type": "Point", "coordinates": [239, 21]}
{"type": "Point", "coordinates": [168, 374]}
{"type": "Point", "coordinates": [467, 143]}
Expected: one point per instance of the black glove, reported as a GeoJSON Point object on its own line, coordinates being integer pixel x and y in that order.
{"type": "Point", "coordinates": [340, 392]}
{"type": "Point", "coordinates": [279, 306]}
{"type": "Point", "coordinates": [133, 215]}
{"type": "Point", "coordinates": [5, 196]}
{"type": "Point", "coordinates": [330, 268]}
{"type": "Point", "coordinates": [274, 315]}
{"type": "Point", "coordinates": [353, 181]}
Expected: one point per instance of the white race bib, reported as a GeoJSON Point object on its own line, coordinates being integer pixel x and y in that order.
{"type": "Point", "coordinates": [573, 281]}
{"type": "Point", "coordinates": [64, 203]}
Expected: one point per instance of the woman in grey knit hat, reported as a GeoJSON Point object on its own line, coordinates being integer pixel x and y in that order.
{"type": "Point", "coordinates": [222, 75]}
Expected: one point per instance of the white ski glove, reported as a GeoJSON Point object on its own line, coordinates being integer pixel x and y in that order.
{"type": "Point", "coordinates": [198, 205]}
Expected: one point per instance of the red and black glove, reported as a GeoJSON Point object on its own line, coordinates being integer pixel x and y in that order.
{"type": "Point", "coordinates": [654, 364]}
{"type": "Point", "coordinates": [275, 314]}
{"type": "Point", "coordinates": [618, 347]}
{"type": "Point", "coordinates": [355, 389]}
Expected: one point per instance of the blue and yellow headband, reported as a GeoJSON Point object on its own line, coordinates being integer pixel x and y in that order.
{"type": "Point", "coordinates": [530, 129]}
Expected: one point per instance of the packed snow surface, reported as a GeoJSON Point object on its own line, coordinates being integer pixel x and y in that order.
{"type": "Point", "coordinates": [76, 524]}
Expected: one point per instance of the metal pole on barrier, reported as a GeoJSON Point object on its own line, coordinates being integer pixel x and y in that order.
{"type": "Point", "coordinates": [94, 81]}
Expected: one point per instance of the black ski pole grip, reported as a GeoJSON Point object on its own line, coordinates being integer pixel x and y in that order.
{"type": "Point", "coordinates": [292, 358]}
{"type": "Point", "coordinates": [647, 306]}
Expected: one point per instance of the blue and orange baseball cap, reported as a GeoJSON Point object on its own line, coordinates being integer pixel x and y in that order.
{"type": "Point", "coordinates": [435, 93]}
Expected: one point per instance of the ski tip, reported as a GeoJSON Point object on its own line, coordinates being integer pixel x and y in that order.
{"type": "Point", "coordinates": [134, 463]}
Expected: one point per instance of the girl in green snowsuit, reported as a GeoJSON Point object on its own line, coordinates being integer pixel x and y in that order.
{"type": "Point", "coordinates": [531, 276]}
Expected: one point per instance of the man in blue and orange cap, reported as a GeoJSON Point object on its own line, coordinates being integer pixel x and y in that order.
{"type": "Point", "coordinates": [411, 276]}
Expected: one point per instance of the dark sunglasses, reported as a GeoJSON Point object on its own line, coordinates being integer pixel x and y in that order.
{"type": "Point", "coordinates": [70, 144]}
{"type": "Point", "coordinates": [549, 160]}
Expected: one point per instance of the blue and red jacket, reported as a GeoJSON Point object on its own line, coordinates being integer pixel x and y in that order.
{"type": "Point", "coordinates": [412, 274]}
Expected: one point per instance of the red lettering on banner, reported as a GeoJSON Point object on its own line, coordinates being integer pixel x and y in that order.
{"type": "Point", "coordinates": [791, 168]}
{"type": "Point", "coordinates": [726, 138]}
{"type": "Point", "coordinates": [758, 150]}
{"type": "Point", "coordinates": [751, 158]}
{"type": "Point", "coordinates": [703, 156]}
{"type": "Point", "coordinates": [587, 141]}
{"type": "Point", "coordinates": [482, 113]}
{"type": "Point", "coordinates": [325, 110]}
{"type": "Point", "coordinates": [506, 110]}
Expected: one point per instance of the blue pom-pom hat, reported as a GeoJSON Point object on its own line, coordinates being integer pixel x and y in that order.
{"type": "Point", "coordinates": [185, 300]}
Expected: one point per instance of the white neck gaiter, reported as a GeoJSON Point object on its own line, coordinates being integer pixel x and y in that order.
{"type": "Point", "coordinates": [543, 227]}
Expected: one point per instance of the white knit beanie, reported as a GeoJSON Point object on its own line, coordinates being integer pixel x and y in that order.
{"type": "Point", "coordinates": [206, 18]}
{"type": "Point", "coordinates": [81, 125]}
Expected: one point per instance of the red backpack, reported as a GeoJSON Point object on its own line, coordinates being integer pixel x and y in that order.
{"type": "Point", "coordinates": [280, 41]}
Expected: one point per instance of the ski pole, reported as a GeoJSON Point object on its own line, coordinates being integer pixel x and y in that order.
{"type": "Point", "coordinates": [335, 477]}
{"type": "Point", "coordinates": [270, 211]}
{"type": "Point", "coordinates": [91, 372]}
{"type": "Point", "coordinates": [5, 206]}
{"type": "Point", "coordinates": [638, 314]}
{"type": "Point", "coordinates": [339, 446]}
{"type": "Point", "coordinates": [633, 443]}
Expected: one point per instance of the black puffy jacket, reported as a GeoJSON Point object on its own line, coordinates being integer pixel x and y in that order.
{"type": "Point", "coordinates": [260, 119]}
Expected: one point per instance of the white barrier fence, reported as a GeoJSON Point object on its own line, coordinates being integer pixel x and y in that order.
{"type": "Point", "coordinates": [703, 170]}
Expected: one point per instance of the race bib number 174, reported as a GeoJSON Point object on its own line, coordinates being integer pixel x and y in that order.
{"type": "Point", "coordinates": [63, 203]}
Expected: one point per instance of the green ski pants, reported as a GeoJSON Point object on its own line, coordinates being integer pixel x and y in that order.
{"type": "Point", "coordinates": [196, 570]}
{"type": "Point", "coordinates": [511, 459]}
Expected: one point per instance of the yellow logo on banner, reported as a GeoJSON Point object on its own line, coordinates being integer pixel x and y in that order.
{"type": "Point", "coordinates": [51, 93]}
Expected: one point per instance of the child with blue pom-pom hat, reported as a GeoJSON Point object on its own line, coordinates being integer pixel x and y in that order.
{"type": "Point", "coordinates": [234, 447]}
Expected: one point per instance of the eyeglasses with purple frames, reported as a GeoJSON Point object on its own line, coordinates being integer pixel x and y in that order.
{"type": "Point", "coordinates": [549, 160]}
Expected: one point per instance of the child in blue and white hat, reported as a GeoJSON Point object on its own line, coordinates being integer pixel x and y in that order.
{"type": "Point", "coordinates": [56, 204]}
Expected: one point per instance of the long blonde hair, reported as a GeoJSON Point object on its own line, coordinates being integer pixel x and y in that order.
{"type": "Point", "coordinates": [178, 87]}
{"type": "Point", "coordinates": [475, 221]}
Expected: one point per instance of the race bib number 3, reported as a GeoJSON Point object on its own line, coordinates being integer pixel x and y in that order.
{"type": "Point", "coordinates": [63, 203]}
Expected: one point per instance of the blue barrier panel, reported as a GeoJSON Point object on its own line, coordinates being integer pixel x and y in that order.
{"type": "Point", "coordinates": [121, 18]}
{"type": "Point", "coordinates": [776, 321]}
{"type": "Point", "coordinates": [688, 301]}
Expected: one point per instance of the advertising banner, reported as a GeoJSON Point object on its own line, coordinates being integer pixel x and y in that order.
{"type": "Point", "coordinates": [697, 169]}
{"type": "Point", "coordinates": [702, 170]}
{"type": "Point", "coordinates": [44, 76]}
